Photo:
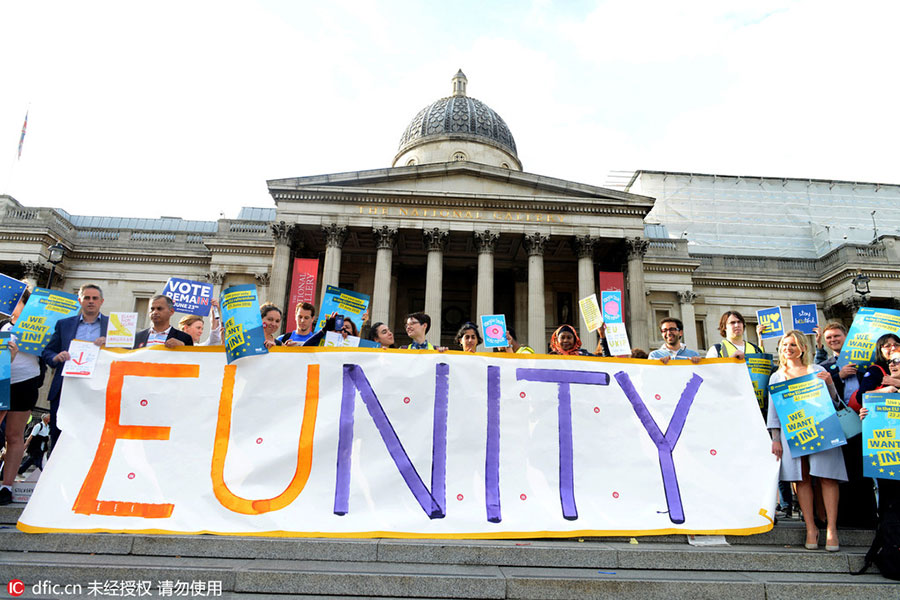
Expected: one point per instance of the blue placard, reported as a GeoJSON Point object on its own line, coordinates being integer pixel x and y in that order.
{"type": "Point", "coordinates": [10, 292]}
{"type": "Point", "coordinates": [4, 370]}
{"type": "Point", "coordinates": [494, 329]}
{"type": "Point", "coordinates": [760, 367]}
{"type": "Point", "coordinates": [190, 297]}
{"type": "Point", "coordinates": [881, 438]}
{"type": "Point", "coordinates": [611, 306]}
{"type": "Point", "coordinates": [805, 317]}
{"type": "Point", "coordinates": [38, 319]}
{"type": "Point", "coordinates": [770, 319]}
{"type": "Point", "coordinates": [869, 324]}
{"type": "Point", "coordinates": [807, 415]}
{"type": "Point", "coordinates": [344, 302]}
{"type": "Point", "coordinates": [242, 322]}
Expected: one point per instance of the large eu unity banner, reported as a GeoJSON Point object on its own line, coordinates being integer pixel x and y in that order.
{"type": "Point", "coordinates": [390, 443]}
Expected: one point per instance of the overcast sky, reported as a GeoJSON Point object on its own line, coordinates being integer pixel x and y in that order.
{"type": "Point", "coordinates": [186, 108]}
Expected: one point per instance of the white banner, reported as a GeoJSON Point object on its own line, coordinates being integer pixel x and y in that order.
{"type": "Point", "coordinates": [389, 443]}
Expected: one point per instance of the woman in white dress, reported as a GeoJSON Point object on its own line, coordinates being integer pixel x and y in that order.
{"type": "Point", "coordinates": [828, 466]}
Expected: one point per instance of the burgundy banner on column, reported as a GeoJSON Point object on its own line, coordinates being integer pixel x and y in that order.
{"type": "Point", "coordinates": [303, 288]}
{"type": "Point", "coordinates": [612, 280]}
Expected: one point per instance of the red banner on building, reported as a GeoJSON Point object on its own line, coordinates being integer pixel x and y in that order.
{"type": "Point", "coordinates": [303, 288]}
{"type": "Point", "coordinates": [612, 280]}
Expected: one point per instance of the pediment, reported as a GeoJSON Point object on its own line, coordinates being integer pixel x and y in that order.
{"type": "Point", "coordinates": [463, 179]}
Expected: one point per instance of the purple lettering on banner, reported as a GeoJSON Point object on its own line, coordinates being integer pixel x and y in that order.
{"type": "Point", "coordinates": [492, 448]}
{"type": "Point", "coordinates": [665, 444]}
{"type": "Point", "coordinates": [566, 452]}
{"type": "Point", "coordinates": [433, 502]}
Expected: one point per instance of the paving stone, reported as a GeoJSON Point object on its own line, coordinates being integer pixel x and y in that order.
{"type": "Point", "coordinates": [79, 543]}
{"type": "Point", "coordinates": [498, 552]}
{"type": "Point", "coordinates": [576, 584]}
{"type": "Point", "coordinates": [731, 558]}
{"type": "Point", "coordinates": [9, 514]}
{"type": "Point", "coordinates": [386, 579]}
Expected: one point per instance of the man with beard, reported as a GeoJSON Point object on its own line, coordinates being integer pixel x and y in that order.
{"type": "Point", "coordinates": [672, 330]}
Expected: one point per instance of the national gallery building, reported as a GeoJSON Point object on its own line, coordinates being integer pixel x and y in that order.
{"type": "Point", "coordinates": [456, 227]}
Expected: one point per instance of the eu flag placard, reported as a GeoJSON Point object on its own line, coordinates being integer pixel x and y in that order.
{"type": "Point", "coordinates": [10, 292]}
{"type": "Point", "coordinates": [38, 319]}
{"type": "Point", "coordinates": [881, 438]}
{"type": "Point", "coordinates": [807, 415]}
{"type": "Point", "coordinates": [869, 324]}
{"type": "Point", "coordinates": [244, 334]}
{"type": "Point", "coordinates": [4, 370]}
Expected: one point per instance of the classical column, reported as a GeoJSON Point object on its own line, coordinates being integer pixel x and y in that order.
{"type": "Point", "coordinates": [689, 318]}
{"type": "Point", "coordinates": [32, 271]}
{"type": "Point", "coordinates": [216, 278]}
{"type": "Point", "coordinates": [637, 301]}
{"type": "Point", "coordinates": [263, 280]}
{"type": "Point", "coordinates": [484, 304]}
{"type": "Point", "coordinates": [281, 263]}
{"type": "Point", "coordinates": [537, 314]}
{"type": "Point", "coordinates": [384, 256]}
{"type": "Point", "coordinates": [435, 240]}
{"type": "Point", "coordinates": [584, 248]}
{"type": "Point", "coordinates": [331, 270]}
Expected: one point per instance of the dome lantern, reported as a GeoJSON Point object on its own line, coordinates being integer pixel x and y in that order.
{"type": "Point", "coordinates": [454, 127]}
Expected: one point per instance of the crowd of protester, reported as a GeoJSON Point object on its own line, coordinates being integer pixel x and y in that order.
{"type": "Point", "coordinates": [829, 486]}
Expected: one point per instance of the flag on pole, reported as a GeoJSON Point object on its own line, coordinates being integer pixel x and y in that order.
{"type": "Point", "coordinates": [22, 138]}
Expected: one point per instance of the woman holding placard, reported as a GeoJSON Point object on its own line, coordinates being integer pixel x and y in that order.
{"type": "Point", "coordinates": [271, 319]}
{"type": "Point", "coordinates": [193, 326]}
{"type": "Point", "coordinates": [828, 465]}
{"type": "Point", "coordinates": [25, 379]}
{"type": "Point", "coordinates": [878, 374]}
{"type": "Point", "coordinates": [468, 337]}
{"type": "Point", "coordinates": [888, 489]}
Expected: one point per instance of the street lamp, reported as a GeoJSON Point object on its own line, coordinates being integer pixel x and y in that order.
{"type": "Point", "coordinates": [861, 287]}
{"type": "Point", "coordinates": [57, 253]}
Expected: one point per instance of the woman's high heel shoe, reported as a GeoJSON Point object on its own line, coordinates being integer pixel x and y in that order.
{"type": "Point", "coordinates": [812, 545]}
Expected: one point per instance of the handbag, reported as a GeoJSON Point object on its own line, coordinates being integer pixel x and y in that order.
{"type": "Point", "coordinates": [850, 421]}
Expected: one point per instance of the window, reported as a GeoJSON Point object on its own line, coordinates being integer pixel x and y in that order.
{"type": "Point", "coordinates": [142, 307]}
{"type": "Point", "coordinates": [701, 333]}
{"type": "Point", "coordinates": [459, 156]}
{"type": "Point", "coordinates": [411, 162]}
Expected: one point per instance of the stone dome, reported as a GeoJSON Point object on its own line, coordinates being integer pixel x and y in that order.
{"type": "Point", "coordinates": [458, 117]}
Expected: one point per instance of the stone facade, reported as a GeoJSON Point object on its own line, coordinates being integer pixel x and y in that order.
{"type": "Point", "coordinates": [465, 237]}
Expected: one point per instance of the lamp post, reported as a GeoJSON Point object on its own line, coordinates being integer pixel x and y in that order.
{"type": "Point", "coordinates": [57, 253]}
{"type": "Point", "coordinates": [861, 287]}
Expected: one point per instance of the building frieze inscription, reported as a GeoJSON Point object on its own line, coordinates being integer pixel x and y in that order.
{"type": "Point", "coordinates": [461, 214]}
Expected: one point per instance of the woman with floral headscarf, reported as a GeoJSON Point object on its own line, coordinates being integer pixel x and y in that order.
{"type": "Point", "coordinates": [566, 342]}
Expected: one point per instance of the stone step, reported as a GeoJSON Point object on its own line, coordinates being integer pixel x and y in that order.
{"type": "Point", "coordinates": [789, 532]}
{"type": "Point", "coordinates": [383, 579]}
{"type": "Point", "coordinates": [536, 553]}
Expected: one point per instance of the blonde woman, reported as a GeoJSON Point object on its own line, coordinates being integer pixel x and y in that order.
{"type": "Point", "coordinates": [828, 466]}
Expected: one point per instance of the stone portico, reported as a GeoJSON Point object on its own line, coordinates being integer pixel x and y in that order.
{"type": "Point", "coordinates": [463, 239]}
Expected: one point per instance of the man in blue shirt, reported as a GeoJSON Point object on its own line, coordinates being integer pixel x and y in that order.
{"type": "Point", "coordinates": [305, 316]}
{"type": "Point", "coordinates": [89, 326]}
{"type": "Point", "coordinates": [672, 330]}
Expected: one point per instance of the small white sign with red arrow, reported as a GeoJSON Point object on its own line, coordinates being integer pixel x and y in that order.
{"type": "Point", "coordinates": [82, 359]}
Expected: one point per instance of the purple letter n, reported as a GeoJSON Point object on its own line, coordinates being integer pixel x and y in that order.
{"type": "Point", "coordinates": [433, 502]}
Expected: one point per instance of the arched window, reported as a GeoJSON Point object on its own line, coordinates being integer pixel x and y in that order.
{"type": "Point", "coordinates": [459, 156]}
